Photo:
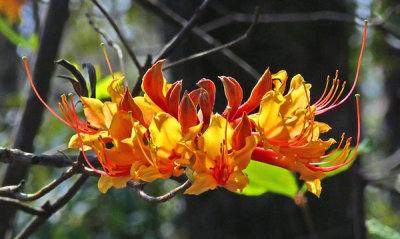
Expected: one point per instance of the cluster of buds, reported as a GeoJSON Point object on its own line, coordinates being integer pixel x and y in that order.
{"type": "Point", "coordinates": [165, 133]}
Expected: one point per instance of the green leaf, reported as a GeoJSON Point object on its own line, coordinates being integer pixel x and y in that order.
{"type": "Point", "coordinates": [378, 230]}
{"type": "Point", "coordinates": [101, 87]}
{"type": "Point", "coordinates": [267, 178]}
{"type": "Point", "coordinates": [14, 37]}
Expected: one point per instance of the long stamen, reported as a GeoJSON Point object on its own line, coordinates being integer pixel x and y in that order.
{"type": "Point", "coordinates": [356, 77]}
{"type": "Point", "coordinates": [323, 94]}
{"type": "Point", "coordinates": [40, 98]}
{"type": "Point", "coordinates": [325, 156]}
{"type": "Point", "coordinates": [108, 61]}
{"type": "Point", "coordinates": [346, 161]}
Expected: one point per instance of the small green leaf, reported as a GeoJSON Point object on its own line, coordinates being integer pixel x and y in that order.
{"type": "Point", "coordinates": [267, 178]}
{"type": "Point", "coordinates": [101, 87]}
{"type": "Point", "coordinates": [377, 230]}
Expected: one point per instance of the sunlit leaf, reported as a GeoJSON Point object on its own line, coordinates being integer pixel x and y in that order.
{"type": "Point", "coordinates": [267, 178]}
{"type": "Point", "coordinates": [101, 87]}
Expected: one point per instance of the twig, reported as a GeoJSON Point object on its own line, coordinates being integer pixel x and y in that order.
{"type": "Point", "coordinates": [170, 16]}
{"type": "Point", "coordinates": [20, 157]}
{"type": "Point", "coordinates": [50, 209]}
{"type": "Point", "coordinates": [210, 51]}
{"type": "Point", "coordinates": [110, 42]}
{"type": "Point", "coordinates": [171, 45]}
{"type": "Point", "coordinates": [14, 191]}
{"type": "Point", "coordinates": [121, 37]}
{"type": "Point", "coordinates": [23, 207]}
{"type": "Point", "coordinates": [159, 199]}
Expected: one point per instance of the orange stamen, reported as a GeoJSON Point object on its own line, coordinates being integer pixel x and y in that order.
{"type": "Point", "coordinates": [108, 61]}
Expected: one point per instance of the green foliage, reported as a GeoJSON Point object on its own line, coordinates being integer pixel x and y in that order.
{"type": "Point", "coordinates": [101, 87]}
{"type": "Point", "coordinates": [14, 37]}
{"type": "Point", "coordinates": [267, 178]}
{"type": "Point", "coordinates": [378, 230]}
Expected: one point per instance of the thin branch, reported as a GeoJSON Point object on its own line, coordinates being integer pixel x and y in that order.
{"type": "Point", "coordinates": [14, 191]}
{"type": "Point", "coordinates": [110, 42]}
{"type": "Point", "coordinates": [21, 206]}
{"type": "Point", "coordinates": [50, 209]}
{"type": "Point", "coordinates": [171, 45]}
{"type": "Point", "coordinates": [20, 157]}
{"type": "Point", "coordinates": [160, 199]}
{"type": "Point", "coordinates": [121, 37]}
{"type": "Point", "coordinates": [168, 15]}
{"type": "Point", "coordinates": [210, 51]}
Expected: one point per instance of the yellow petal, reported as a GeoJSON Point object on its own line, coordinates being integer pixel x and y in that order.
{"type": "Point", "coordinates": [314, 187]}
{"type": "Point", "coordinates": [242, 157]}
{"type": "Point", "coordinates": [296, 97]}
{"type": "Point", "coordinates": [269, 118]}
{"type": "Point", "coordinates": [121, 126]}
{"type": "Point", "coordinates": [109, 110]}
{"type": "Point", "coordinates": [211, 141]}
{"type": "Point", "coordinates": [106, 182]}
{"type": "Point", "coordinates": [93, 109]}
{"type": "Point", "coordinates": [237, 181]}
{"type": "Point", "coordinates": [279, 79]}
{"type": "Point", "coordinates": [202, 183]}
{"type": "Point", "coordinates": [116, 89]}
{"type": "Point", "coordinates": [147, 106]}
{"type": "Point", "coordinates": [165, 131]}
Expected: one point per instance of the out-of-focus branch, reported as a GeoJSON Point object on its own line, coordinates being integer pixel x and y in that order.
{"type": "Point", "coordinates": [171, 45]}
{"type": "Point", "coordinates": [21, 206]}
{"type": "Point", "coordinates": [110, 42]}
{"type": "Point", "coordinates": [210, 51]}
{"type": "Point", "coordinates": [50, 209]}
{"type": "Point", "coordinates": [17, 156]}
{"type": "Point", "coordinates": [159, 199]}
{"type": "Point", "coordinates": [170, 16]}
{"type": "Point", "coordinates": [15, 191]}
{"type": "Point", "coordinates": [121, 37]}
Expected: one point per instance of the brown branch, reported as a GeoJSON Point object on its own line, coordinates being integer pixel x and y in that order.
{"type": "Point", "coordinates": [227, 45]}
{"type": "Point", "coordinates": [50, 209]}
{"type": "Point", "coordinates": [17, 156]}
{"type": "Point", "coordinates": [159, 199]}
{"type": "Point", "coordinates": [121, 37]}
{"type": "Point", "coordinates": [21, 206]}
{"type": "Point", "coordinates": [15, 191]}
{"type": "Point", "coordinates": [171, 45]}
{"type": "Point", "coordinates": [110, 42]}
{"type": "Point", "coordinates": [170, 16]}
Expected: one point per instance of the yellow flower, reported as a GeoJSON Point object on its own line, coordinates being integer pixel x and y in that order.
{"type": "Point", "coordinates": [223, 152]}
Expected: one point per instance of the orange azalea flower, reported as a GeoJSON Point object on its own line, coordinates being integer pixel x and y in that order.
{"type": "Point", "coordinates": [11, 8]}
{"type": "Point", "coordinates": [223, 152]}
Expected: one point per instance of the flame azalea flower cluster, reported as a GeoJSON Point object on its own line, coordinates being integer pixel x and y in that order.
{"type": "Point", "coordinates": [11, 8]}
{"type": "Point", "coordinates": [165, 133]}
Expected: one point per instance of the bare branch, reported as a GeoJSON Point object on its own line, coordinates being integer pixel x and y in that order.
{"type": "Point", "coordinates": [50, 209]}
{"type": "Point", "coordinates": [110, 42]}
{"type": "Point", "coordinates": [121, 37]}
{"type": "Point", "coordinates": [20, 157]}
{"type": "Point", "coordinates": [210, 51]}
{"type": "Point", "coordinates": [170, 16]}
{"type": "Point", "coordinates": [23, 207]}
{"type": "Point", "coordinates": [171, 45]}
{"type": "Point", "coordinates": [160, 199]}
{"type": "Point", "coordinates": [14, 191]}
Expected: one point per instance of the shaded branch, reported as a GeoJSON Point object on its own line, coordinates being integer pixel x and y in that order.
{"type": "Point", "coordinates": [15, 191]}
{"type": "Point", "coordinates": [21, 206]}
{"type": "Point", "coordinates": [172, 44]}
{"type": "Point", "coordinates": [110, 42]}
{"type": "Point", "coordinates": [121, 37]}
{"type": "Point", "coordinates": [210, 51]}
{"type": "Point", "coordinates": [50, 209]}
{"type": "Point", "coordinates": [59, 161]}
{"type": "Point", "coordinates": [170, 16]}
{"type": "Point", "coordinates": [159, 199]}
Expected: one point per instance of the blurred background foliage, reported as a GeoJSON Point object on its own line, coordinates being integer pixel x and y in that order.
{"type": "Point", "coordinates": [368, 192]}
